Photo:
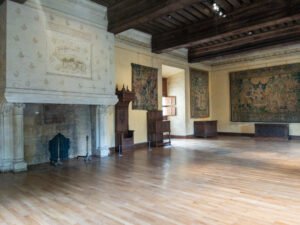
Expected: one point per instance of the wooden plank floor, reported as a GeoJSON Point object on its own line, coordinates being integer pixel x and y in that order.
{"type": "Point", "coordinates": [239, 181]}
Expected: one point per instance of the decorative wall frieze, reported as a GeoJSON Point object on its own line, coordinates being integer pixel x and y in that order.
{"type": "Point", "coordinates": [142, 40]}
{"type": "Point", "coordinates": [262, 55]}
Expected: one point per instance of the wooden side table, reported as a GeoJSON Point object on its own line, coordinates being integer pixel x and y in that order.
{"type": "Point", "coordinates": [280, 130]}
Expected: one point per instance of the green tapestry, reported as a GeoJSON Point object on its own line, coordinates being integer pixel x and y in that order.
{"type": "Point", "coordinates": [270, 94]}
{"type": "Point", "coordinates": [199, 93]}
{"type": "Point", "coordinates": [144, 84]}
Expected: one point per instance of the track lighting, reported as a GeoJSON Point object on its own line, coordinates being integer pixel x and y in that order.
{"type": "Point", "coordinates": [218, 10]}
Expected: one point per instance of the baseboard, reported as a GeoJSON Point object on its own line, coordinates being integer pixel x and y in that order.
{"type": "Point", "coordinates": [182, 137]}
{"type": "Point", "coordinates": [145, 144]}
{"type": "Point", "coordinates": [236, 134]}
{"type": "Point", "coordinates": [294, 137]}
{"type": "Point", "coordinates": [219, 133]}
{"type": "Point", "coordinates": [133, 147]}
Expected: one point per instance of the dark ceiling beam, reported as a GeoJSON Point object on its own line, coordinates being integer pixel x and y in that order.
{"type": "Point", "coordinates": [241, 20]}
{"type": "Point", "coordinates": [238, 41]}
{"type": "Point", "coordinates": [107, 3]}
{"type": "Point", "coordinates": [128, 14]}
{"type": "Point", "coordinates": [224, 5]}
{"type": "Point", "coordinates": [284, 40]}
{"type": "Point", "coordinates": [101, 2]}
{"type": "Point", "coordinates": [19, 1]}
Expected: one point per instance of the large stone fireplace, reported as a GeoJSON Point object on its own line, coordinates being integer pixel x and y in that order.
{"type": "Point", "coordinates": [56, 75]}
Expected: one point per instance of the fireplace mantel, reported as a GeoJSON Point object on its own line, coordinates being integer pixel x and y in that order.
{"type": "Point", "coordinates": [53, 52]}
{"type": "Point", "coordinates": [52, 97]}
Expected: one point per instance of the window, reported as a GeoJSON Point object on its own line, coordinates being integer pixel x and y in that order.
{"type": "Point", "coordinates": [169, 106]}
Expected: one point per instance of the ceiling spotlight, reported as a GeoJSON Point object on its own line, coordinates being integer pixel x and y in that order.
{"type": "Point", "coordinates": [216, 7]}
{"type": "Point", "coordinates": [218, 10]}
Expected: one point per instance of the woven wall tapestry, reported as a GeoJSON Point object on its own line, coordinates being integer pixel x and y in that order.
{"type": "Point", "coordinates": [144, 83]}
{"type": "Point", "coordinates": [199, 92]}
{"type": "Point", "coordinates": [270, 94]}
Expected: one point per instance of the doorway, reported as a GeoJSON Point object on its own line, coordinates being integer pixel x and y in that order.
{"type": "Point", "coordinates": [173, 100]}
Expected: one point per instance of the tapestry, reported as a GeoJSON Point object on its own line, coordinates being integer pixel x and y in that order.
{"type": "Point", "coordinates": [199, 93]}
{"type": "Point", "coordinates": [270, 94]}
{"type": "Point", "coordinates": [144, 84]}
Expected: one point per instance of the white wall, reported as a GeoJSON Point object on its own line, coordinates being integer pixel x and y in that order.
{"type": "Point", "coordinates": [176, 87]}
{"type": "Point", "coordinates": [37, 30]}
{"type": "Point", "coordinates": [125, 54]}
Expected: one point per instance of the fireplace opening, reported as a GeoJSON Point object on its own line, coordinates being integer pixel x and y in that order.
{"type": "Point", "coordinates": [45, 122]}
{"type": "Point", "coordinates": [59, 149]}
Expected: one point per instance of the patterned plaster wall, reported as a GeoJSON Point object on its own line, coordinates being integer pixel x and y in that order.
{"type": "Point", "coordinates": [2, 43]}
{"type": "Point", "coordinates": [56, 52]}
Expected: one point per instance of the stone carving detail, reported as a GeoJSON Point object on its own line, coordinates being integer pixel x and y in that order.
{"type": "Point", "coordinates": [5, 107]}
{"type": "Point", "coordinates": [40, 55]}
{"type": "Point", "coordinates": [18, 108]}
{"type": "Point", "coordinates": [68, 55]}
{"type": "Point", "coordinates": [31, 66]}
{"type": "Point", "coordinates": [18, 11]}
{"type": "Point", "coordinates": [24, 27]}
{"type": "Point", "coordinates": [17, 38]}
{"type": "Point", "coordinates": [21, 55]}
{"type": "Point", "coordinates": [37, 18]}
{"type": "Point", "coordinates": [17, 74]}
{"type": "Point", "coordinates": [103, 109]}
{"type": "Point", "coordinates": [35, 40]}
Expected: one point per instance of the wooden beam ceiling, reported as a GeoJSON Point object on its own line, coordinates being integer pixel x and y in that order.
{"type": "Point", "coordinates": [130, 13]}
{"type": "Point", "coordinates": [284, 40]}
{"type": "Point", "coordinates": [193, 24]}
{"type": "Point", "coordinates": [243, 20]}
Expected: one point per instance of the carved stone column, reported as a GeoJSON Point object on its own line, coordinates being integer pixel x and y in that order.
{"type": "Point", "coordinates": [6, 136]}
{"type": "Point", "coordinates": [18, 116]}
{"type": "Point", "coordinates": [102, 131]}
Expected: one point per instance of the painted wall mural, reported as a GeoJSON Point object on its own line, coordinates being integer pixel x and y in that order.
{"type": "Point", "coordinates": [199, 92]}
{"type": "Point", "coordinates": [68, 55]}
{"type": "Point", "coordinates": [270, 94]}
{"type": "Point", "coordinates": [144, 83]}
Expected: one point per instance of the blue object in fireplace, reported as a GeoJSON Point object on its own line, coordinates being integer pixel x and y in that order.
{"type": "Point", "coordinates": [59, 149]}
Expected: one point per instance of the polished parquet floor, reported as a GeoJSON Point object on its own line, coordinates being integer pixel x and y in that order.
{"type": "Point", "coordinates": [239, 181]}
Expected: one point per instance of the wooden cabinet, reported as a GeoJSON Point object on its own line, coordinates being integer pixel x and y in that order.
{"type": "Point", "coordinates": [158, 129]}
{"type": "Point", "coordinates": [272, 130]}
{"type": "Point", "coordinates": [205, 128]}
